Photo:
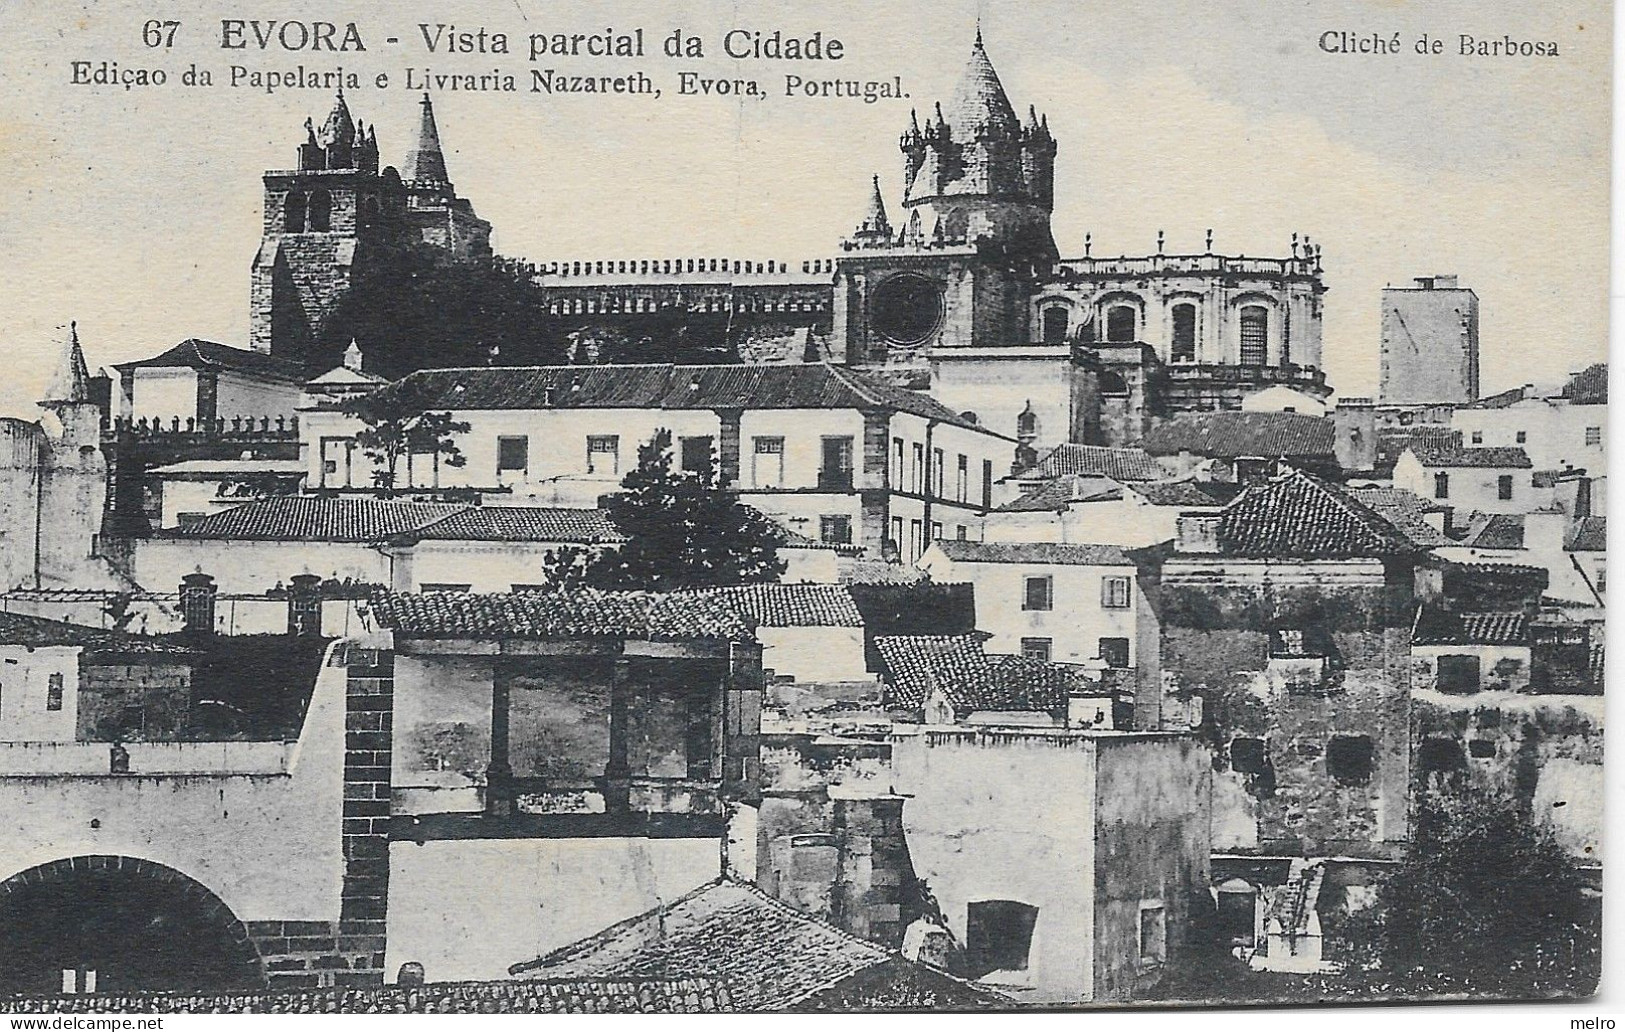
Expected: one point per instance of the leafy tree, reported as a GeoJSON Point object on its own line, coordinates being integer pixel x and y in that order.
{"type": "Point", "coordinates": [1486, 904]}
{"type": "Point", "coordinates": [397, 424]}
{"type": "Point", "coordinates": [684, 530]}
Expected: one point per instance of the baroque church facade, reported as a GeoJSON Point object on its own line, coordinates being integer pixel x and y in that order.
{"type": "Point", "coordinates": [963, 294]}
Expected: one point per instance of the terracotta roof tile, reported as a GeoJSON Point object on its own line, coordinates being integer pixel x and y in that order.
{"type": "Point", "coordinates": [1436, 454]}
{"type": "Point", "coordinates": [206, 354]}
{"type": "Point", "coordinates": [1301, 516]}
{"type": "Point", "coordinates": [1063, 492]}
{"type": "Point", "coordinates": [663, 386]}
{"type": "Point", "coordinates": [1502, 530]}
{"type": "Point", "coordinates": [792, 605]}
{"type": "Point", "coordinates": [1589, 534]}
{"type": "Point", "coordinates": [1039, 552]}
{"type": "Point", "coordinates": [637, 615]}
{"type": "Point", "coordinates": [769, 955]}
{"type": "Point", "coordinates": [522, 523]}
{"type": "Point", "coordinates": [969, 678]}
{"type": "Point", "coordinates": [366, 519]}
{"type": "Point", "coordinates": [1123, 465]}
{"type": "Point", "coordinates": [1235, 435]}
{"type": "Point", "coordinates": [38, 632]}
{"type": "Point", "coordinates": [1436, 627]}
{"type": "Point", "coordinates": [1405, 510]}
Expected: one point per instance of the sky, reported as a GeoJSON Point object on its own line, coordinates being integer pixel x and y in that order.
{"type": "Point", "coordinates": [137, 212]}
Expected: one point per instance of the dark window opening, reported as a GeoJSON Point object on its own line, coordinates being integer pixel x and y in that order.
{"type": "Point", "coordinates": [1503, 487]}
{"type": "Point", "coordinates": [1481, 749]}
{"type": "Point", "coordinates": [1458, 674]}
{"type": "Point", "coordinates": [836, 471]}
{"type": "Point", "coordinates": [835, 530]}
{"type": "Point", "coordinates": [1255, 335]}
{"type": "Point", "coordinates": [513, 453]}
{"type": "Point", "coordinates": [1120, 324]}
{"type": "Point", "coordinates": [53, 693]}
{"type": "Point", "coordinates": [320, 211]}
{"type": "Point", "coordinates": [998, 936]}
{"type": "Point", "coordinates": [987, 483]}
{"type": "Point", "coordinates": [1184, 343]}
{"type": "Point", "coordinates": [1441, 485]}
{"type": "Point", "coordinates": [1348, 759]}
{"type": "Point", "coordinates": [1437, 755]}
{"type": "Point", "coordinates": [1039, 594]}
{"type": "Point", "coordinates": [1153, 934]}
{"type": "Point", "coordinates": [1038, 648]}
{"type": "Point", "coordinates": [1238, 913]}
{"type": "Point", "coordinates": [1055, 325]}
{"type": "Point", "coordinates": [696, 454]}
{"type": "Point", "coordinates": [1249, 755]}
{"type": "Point", "coordinates": [293, 213]}
{"type": "Point", "coordinates": [1112, 383]}
{"type": "Point", "coordinates": [1114, 652]}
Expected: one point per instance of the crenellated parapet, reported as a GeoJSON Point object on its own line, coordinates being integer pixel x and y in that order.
{"type": "Point", "coordinates": [238, 428]}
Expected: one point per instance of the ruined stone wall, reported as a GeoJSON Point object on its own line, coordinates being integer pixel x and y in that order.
{"type": "Point", "coordinates": [1290, 797]}
{"type": "Point", "coordinates": [1541, 753]}
{"type": "Point", "coordinates": [134, 701]}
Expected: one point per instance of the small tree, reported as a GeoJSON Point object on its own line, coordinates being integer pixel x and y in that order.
{"type": "Point", "coordinates": [683, 529]}
{"type": "Point", "coordinates": [398, 424]}
{"type": "Point", "coordinates": [1486, 904]}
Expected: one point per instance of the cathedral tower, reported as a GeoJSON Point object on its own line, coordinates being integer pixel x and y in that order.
{"type": "Point", "coordinates": [978, 190]}
{"type": "Point", "coordinates": [337, 217]}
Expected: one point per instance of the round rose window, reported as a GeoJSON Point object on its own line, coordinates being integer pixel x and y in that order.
{"type": "Point", "coordinates": [907, 309]}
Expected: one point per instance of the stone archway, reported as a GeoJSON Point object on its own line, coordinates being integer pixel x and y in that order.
{"type": "Point", "coordinates": [137, 924]}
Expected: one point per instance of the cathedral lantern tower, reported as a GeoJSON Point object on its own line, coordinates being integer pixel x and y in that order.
{"type": "Point", "coordinates": [978, 190]}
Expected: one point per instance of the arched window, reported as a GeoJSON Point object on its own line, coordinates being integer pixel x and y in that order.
{"type": "Point", "coordinates": [1120, 323]}
{"type": "Point", "coordinates": [370, 212]}
{"type": "Point", "coordinates": [1184, 343]}
{"type": "Point", "coordinates": [1055, 320]}
{"type": "Point", "coordinates": [1027, 423]}
{"type": "Point", "coordinates": [321, 211]}
{"type": "Point", "coordinates": [1112, 383]}
{"type": "Point", "coordinates": [1255, 335]}
{"type": "Point", "coordinates": [293, 213]}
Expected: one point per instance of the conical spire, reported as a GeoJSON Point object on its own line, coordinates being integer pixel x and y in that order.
{"type": "Point", "coordinates": [70, 381]}
{"type": "Point", "coordinates": [425, 162]}
{"type": "Point", "coordinates": [339, 127]}
{"type": "Point", "coordinates": [875, 223]}
{"type": "Point", "coordinates": [980, 104]}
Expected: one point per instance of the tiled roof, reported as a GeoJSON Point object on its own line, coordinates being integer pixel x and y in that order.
{"type": "Point", "coordinates": [664, 386]}
{"type": "Point", "coordinates": [1296, 515]}
{"type": "Point", "coordinates": [1589, 534]}
{"type": "Point", "coordinates": [38, 632]}
{"type": "Point", "coordinates": [1235, 435]}
{"type": "Point", "coordinates": [1392, 442]}
{"type": "Point", "coordinates": [770, 955]}
{"type": "Point", "coordinates": [879, 571]}
{"type": "Point", "coordinates": [638, 615]}
{"type": "Point", "coordinates": [522, 523]}
{"type": "Point", "coordinates": [1437, 627]}
{"type": "Point", "coordinates": [206, 354]}
{"type": "Point", "coordinates": [1436, 455]}
{"type": "Point", "coordinates": [364, 519]}
{"type": "Point", "coordinates": [1589, 386]}
{"type": "Point", "coordinates": [1405, 510]}
{"type": "Point", "coordinates": [1042, 552]}
{"type": "Point", "coordinates": [1120, 464]}
{"type": "Point", "coordinates": [969, 678]}
{"type": "Point", "coordinates": [1062, 492]}
{"type": "Point", "coordinates": [1187, 494]}
{"type": "Point", "coordinates": [1505, 399]}
{"type": "Point", "coordinates": [1494, 530]}
{"type": "Point", "coordinates": [793, 605]}
{"type": "Point", "coordinates": [531, 996]}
